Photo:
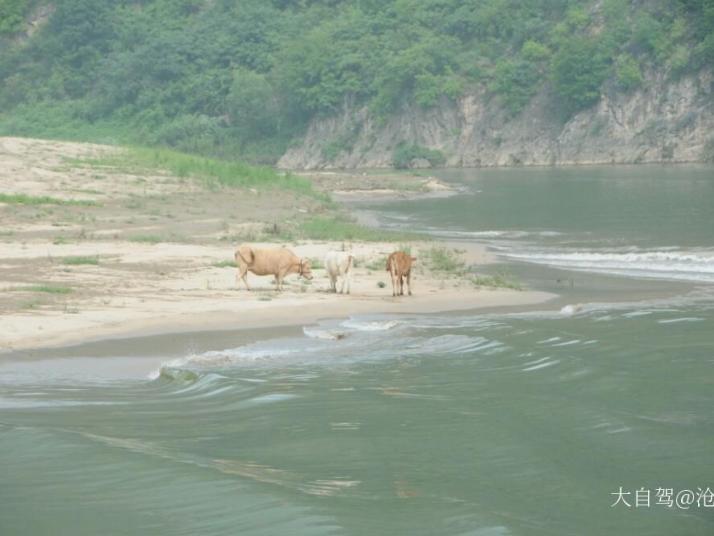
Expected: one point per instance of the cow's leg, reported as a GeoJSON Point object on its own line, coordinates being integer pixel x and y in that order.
{"type": "Point", "coordinates": [346, 281]}
{"type": "Point", "coordinates": [282, 274]}
{"type": "Point", "coordinates": [409, 282]}
{"type": "Point", "coordinates": [242, 274]}
{"type": "Point", "coordinates": [394, 283]}
{"type": "Point", "coordinates": [401, 285]}
{"type": "Point", "coordinates": [333, 283]}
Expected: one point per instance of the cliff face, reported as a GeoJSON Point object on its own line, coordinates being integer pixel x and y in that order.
{"type": "Point", "coordinates": [663, 121]}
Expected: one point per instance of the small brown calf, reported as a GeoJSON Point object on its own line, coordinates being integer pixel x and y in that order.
{"type": "Point", "coordinates": [399, 266]}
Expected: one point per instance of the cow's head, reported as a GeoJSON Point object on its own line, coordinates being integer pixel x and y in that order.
{"type": "Point", "coordinates": [305, 270]}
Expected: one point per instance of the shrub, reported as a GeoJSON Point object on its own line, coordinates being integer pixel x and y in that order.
{"type": "Point", "coordinates": [405, 154]}
{"type": "Point", "coordinates": [628, 72]}
{"type": "Point", "coordinates": [515, 81]}
{"type": "Point", "coordinates": [679, 60]}
{"type": "Point", "coordinates": [11, 15]}
{"type": "Point", "coordinates": [534, 51]}
{"type": "Point", "coordinates": [429, 88]}
{"type": "Point", "coordinates": [579, 68]}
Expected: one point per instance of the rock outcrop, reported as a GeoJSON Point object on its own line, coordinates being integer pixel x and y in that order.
{"type": "Point", "coordinates": [663, 121]}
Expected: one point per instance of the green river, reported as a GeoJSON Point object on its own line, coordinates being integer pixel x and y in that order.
{"type": "Point", "coordinates": [528, 422]}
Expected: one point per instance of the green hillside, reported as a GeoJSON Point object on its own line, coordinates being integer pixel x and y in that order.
{"type": "Point", "coordinates": [244, 77]}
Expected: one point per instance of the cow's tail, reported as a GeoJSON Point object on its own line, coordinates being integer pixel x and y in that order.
{"type": "Point", "coordinates": [245, 254]}
{"type": "Point", "coordinates": [389, 263]}
{"type": "Point", "coordinates": [350, 262]}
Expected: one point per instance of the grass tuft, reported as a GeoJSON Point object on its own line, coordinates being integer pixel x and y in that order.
{"type": "Point", "coordinates": [146, 239]}
{"type": "Point", "coordinates": [23, 199]}
{"type": "Point", "coordinates": [225, 264]}
{"type": "Point", "coordinates": [499, 280]}
{"type": "Point", "coordinates": [47, 288]}
{"type": "Point", "coordinates": [441, 259]}
{"type": "Point", "coordinates": [80, 260]}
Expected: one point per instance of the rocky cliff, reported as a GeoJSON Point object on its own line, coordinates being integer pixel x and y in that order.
{"type": "Point", "coordinates": [663, 121]}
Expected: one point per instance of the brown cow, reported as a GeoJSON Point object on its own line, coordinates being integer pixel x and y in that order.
{"type": "Point", "coordinates": [399, 266]}
{"type": "Point", "coordinates": [270, 261]}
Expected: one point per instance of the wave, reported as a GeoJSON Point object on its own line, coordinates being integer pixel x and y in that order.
{"type": "Point", "coordinates": [370, 325]}
{"type": "Point", "coordinates": [335, 343]}
{"type": "Point", "coordinates": [175, 369]}
{"type": "Point", "coordinates": [324, 334]}
{"type": "Point", "coordinates": [508, 234]}
{"type": "Point", "coordinates": [659, 264]}
{"type": "Point", "coordinates": [678, 320]}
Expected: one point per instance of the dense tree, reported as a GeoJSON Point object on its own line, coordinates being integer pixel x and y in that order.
{"type": "Point", "coordinates": [579, 69]}
{"type": "Point", "coordinates": [248, 75]}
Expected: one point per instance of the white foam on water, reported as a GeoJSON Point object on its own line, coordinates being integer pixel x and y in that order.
{"type": "Point", "coordinates": [324, 334]}
{"type": "Point", "coordinates": [634, 314]}
{"type": "Point", "coordinates": [697, 266]}
{"type": "Point", "coordinates": [570, 310]}
{"type": "Point", "coordinates": [552, 339]}
{"type": "Point", "coordinates": [27, 403]}
{"type": "Point", "coordinates": [222, 358]}
{"type": "Point", "coordinates": [541, 365]}
{"type": "Point", "coordinates": [568, 343]}
{"type": "Point", "coordinates": [677, 320]}
{"type": "Point", "coordinates": [367, 325]}
{"type": "Point", "coordinates": [506, 233]}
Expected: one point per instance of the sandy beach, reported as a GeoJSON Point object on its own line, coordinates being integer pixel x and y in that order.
{"type": "Point", "coordinates": [127, 255]}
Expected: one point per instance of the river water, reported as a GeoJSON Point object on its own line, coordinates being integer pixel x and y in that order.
{"type": "Point", "coordinates": [499, 423]}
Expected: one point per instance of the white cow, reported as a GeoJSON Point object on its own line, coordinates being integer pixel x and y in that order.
{"type": "Point", "coordinates": [339, 263]}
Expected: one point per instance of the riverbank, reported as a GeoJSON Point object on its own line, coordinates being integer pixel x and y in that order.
{"type": "Point", "coordinates": [92, 251]}
{"type": "Point", "coordinates": [202, 296]}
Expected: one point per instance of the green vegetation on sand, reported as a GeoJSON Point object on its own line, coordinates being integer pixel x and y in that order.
{"type": "Point", "coordinates": [47, 288]}
{"type": "Point", "coordinates": [342, 228]}
{"type": "Point", "coordinates": [22, 199]}
{"type": "Point", "coordinates": [442, 259]}
{"type": "Point", "coordinates": [499, 280]}
{"type": "Point", "coordinates": [212, 172]}
{"type": "Point", "coordinates": [78, 260]}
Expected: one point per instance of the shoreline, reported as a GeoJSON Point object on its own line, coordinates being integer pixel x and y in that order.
{"type": "Point", "coordinates": [202, 294]}
{"type": "Point", "coordinates": [145, 258]}
{"type": "Point", "coordinates": [92, 252]}
{"type": "Point", "coordinates": [292, 313]}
